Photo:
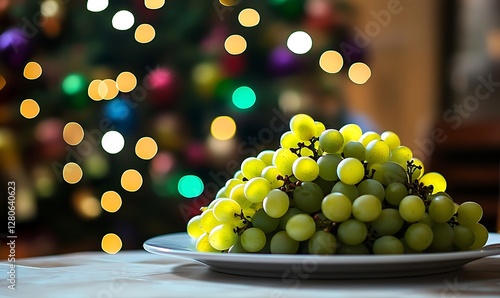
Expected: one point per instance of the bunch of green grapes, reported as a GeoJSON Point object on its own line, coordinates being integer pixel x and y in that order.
{"type": "Point", "coordinates": [328, 191]}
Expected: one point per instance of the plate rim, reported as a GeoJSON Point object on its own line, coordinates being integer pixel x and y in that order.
{"type": "Point", "coordinates": [298, 258]}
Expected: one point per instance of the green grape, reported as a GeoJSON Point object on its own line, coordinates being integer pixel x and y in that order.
{"type": "Point", "coordinates": [354, 149]}
{"type": "Point", "coordinates": [256, 189]}
{"type": "Point", "coordinates": [194, 228]}
{"type": "Point", "coordinates": [320, 127]}
{"type": "Point", "coordinates": [336, 207]}
{"type": "Point", "coordinates": [371, 187]}
{"type": "Point", "coordinates": [308, 196]}
{"type": "Point", "coordinates": [281, 243]}
{"type": "Point", "coordinates": [306, 152]}
{"type": "Point", "coordinates": [202, 244]}
{"type": "Point", "coordinates": [377, 151]}
{"type": "Point", "coordinates": [427, 219]}
{"type": "Point", "coordinates": [418, 236]}
{"type": "Point", "coordinates": [328, 164]}
{"type": "Point", "coordinates": [300, 227]}
{"type": "Point", "coordinates": [271, 173]}
{"type": "Point", "coordinates": [222, 237]}
{"type": "Point", "coordinates": [463, 237]}
{"type": "Point", "coordinates": [239, 175]}
{"type": "Point", "coordinates": [331, 140]}
{"type": "Point", "coordinates": [412, 208]}
{"type": "Point", "coordinates": [276, 203]}
{"type": "Point", "coordinates": [208, 221]}
{"type": "Point", "coordinates": [388, 223]}
{"type": "Point", "coordinates": [238, 194]}
{"type": "Point", "coordinates": [388, 245]}
{"type": "Point", "coordinates": [303, 126]}
{"type": "Point", "coordinates": [469, 213]}
{"type": "Point", "coordinates": [225, 210]}
{"type": "Point", "coordinates": [252, 167]}
{"type": "Point", "coordinates": [480, 236]}
{"type": "Point", "coordinates": [289, 213]}
{"type": "Point", "coordinates": [322, 243]}
{"type": "Point", "coordinates": [253, 239]}
{"type": "Point", "coordinates": [366, 208]}
{"type": "Point", "coordinates": [283, 160]}
{"type": "Point", "coordinates": [230, 184]}
{"type": "Point", "coordinates": [418, 172]}
{"type": "Point", "coordinates": [326, 186]}
{"type": "Point", "coordinates": [388, 172]}
{"type": "Point", "coordinates": [441, 209]}
{"type": "Point", "coordinates": [435, 179]}
{"type": "Point", "coordinates": [305, 169]}
{"type": "Point", "coordinates": [289, 140]}
{"type": "Point", "coordinates": [351, 132]}
{"type": "Point", "coordinates": [266, 156]}
{"type": "Point", "coordinates": [264, 222]}
{"type": "Point", "coordinates": [212, 204]}
{"type": "Point", "coordinates": [368, 136]}
{"type": "Point", "coordinates": [237, 247]}
{"type": "Point", "coordinates": [346, 249]}
{"type": "Point", "coordinates": [352, 232]}
{"type": "Point", "coordinates": [391, 139]}
{"type": "Point", "coordinates": [401, 155]}
{"type": "Point", "coordinates": [442, 237]}
{"type": "Point", "coordinates": [395, 192]}
{"type": "Point", "coordinates": [249, 212]}
{"type": "Point", "coordinates": [350, 171]}
{"type": "Point", "coordinates": [351, 191]}
{"type": "Point", "coordinates": [221, 193]}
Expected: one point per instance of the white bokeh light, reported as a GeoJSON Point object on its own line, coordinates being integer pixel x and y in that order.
{"type": "Point", "coordinates": [123, 20]}
{"type": "Point", "coordinates": [112, 142]}
{"type": "Point", "coordinates": [299, 42]}
{"type": "Point", "coordinates": [97, 5]}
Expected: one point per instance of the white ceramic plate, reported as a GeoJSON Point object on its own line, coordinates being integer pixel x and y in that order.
{"type": "Point", "coordinates": [312, 266]}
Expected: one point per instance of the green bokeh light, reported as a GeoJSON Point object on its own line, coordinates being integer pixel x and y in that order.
{"type": "Point", "coordinates": [190, 186]}
{"type": "Point", "coordinates": [244, 97]}
{"type": "Point", "coordinates": [74, 84]}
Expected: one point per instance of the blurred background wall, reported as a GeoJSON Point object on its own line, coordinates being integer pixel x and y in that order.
{"type": "Point", "coordinates": [162, 79]}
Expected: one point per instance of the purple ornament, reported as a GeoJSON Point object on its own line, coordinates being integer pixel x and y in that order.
{"type": "Point", "coordinates": [282, 61]}
{"type": "Point", "coordinates": [14, 47]}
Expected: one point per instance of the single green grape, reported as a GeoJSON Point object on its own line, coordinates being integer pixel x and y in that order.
{"type": "Point", "coordinates": [351, 132]}
{"type": "Point", "coordinates": [469, 213]}
{"type": "Point", "coordinates": [281, 243]}
{"type": "Point", "coordinates": [328, 164]}
{"type": "Point", "coordinates": [351, 191]}
{"type": "Point", "coordinates": [283, 160]}
{"type": "Point", "coordinates": [289, 140]}
{"type": "Point", "coordinates": [401, 155]}
{"type": "Point", "coordinates": [480, 236]}
{"type": "Point", "coordinates": [303, 126]}
{"type": "Point", "coordinates": [276, 203]}
{"type": "Point", "coordinates": [222, 237]}
{"type": "Point", "coordinates": [264, 222]}
{"type": "Point", "coordinates": [352, 232]}
{"type": "Point", "coordinates": [253, 239]}
{"type": "Point", "coordinates": [354, 149]}
{"type": "Point", "coordinates": [441, 209]}
{"type": "Point", "coordinates": [435, 179]}
{"type": "Point", "coordinates": [442, 237]}
{"type": "Point", "coordinates": [305, 169]}
{"type": "Point", "coordinates": [308, 196]}
{"type": "Point", "coordinates": [230, 184]}
{"type": "Point", "coordinates": [377, 151]}
{"type": "Point", "coordinates": [194, 229]}
{"type": "Point", "coordinates": [252, 167]}
{"type": "Point", "coordinates": [336, 207]}
{"type": "Point", "coordinates": [266, 156]}
{"type": "Point", "coordinates": [391, 139]}
{"type": "Point", "coordinates": [331, 141]}
{"type": "Point", "coordinates": [388, 245]}
{"type": "Point", "coordinates": [238, 194]}
{"type": "Point", "coordinates": [412, 208]}
{"type": "Point", "coordinates": [202, 244]}
{"type": "Point", "coordinates": [256, 189]}
{"type": "Point", "coordinates": [418, 236]}
{"type": "Point", "coordinates": [418, 172]}
{"type": "Point", "coordinates": [208, 221]}
{"type": "Point", "coordinates": [225, 209]}
{"type": "Point", "coordinates": [366, 208]}
{"type": "Point", "coordinates": [271, 174]}
{"type": "Point", "coordinates": [300, 227]}
{"type": "Point", "coordinates": [350, 171]}
{"type": "Point", "coordinates": [322, 243]}
{"type": "Point", "coordinates": [388, 223]}
{"type": "Point", "coordinates": [371, 187]}
{"type": "Point", "coordinates": [368, 136]}
{"type": "Point", "coordinates": [320, 128]}
{"type": "Point", "coordinates": [463, 237]}
{"type": "Point", "coordinates": [395, 192]}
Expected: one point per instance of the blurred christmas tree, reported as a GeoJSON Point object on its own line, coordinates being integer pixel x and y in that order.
{"type": "Point", "coordinates": [165, 71]}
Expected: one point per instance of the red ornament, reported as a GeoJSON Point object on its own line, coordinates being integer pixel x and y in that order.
{"type": "Point", "coordinates": [162, 85]}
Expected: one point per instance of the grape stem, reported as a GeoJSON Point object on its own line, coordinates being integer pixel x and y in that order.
{"type": "Point", "coordinates": [311, 147]}
{"type": "Point", "coordinates": [414, 186]}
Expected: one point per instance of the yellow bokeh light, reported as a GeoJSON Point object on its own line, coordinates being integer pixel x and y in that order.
{"type": "Point", "coordinates": [359, 73]}
{"type": "Point", "coordinates": [32, 70]}
{"type": "Point", "coordinates": [235, 44]}
{"type": "Point", "coordinates": [94, 91]}
{"type": "Point", "coordinates": [111, 243]}
{"type": "Point", "coordinates": [223, 128]}
{"type": "Point", "coordinates": [73, 133]}
{"type": "Point", "coordinates": [126, 81]}
{"type": "Point", "coordinates": [86, 204]}
{"type": "Point", "coordinates": [131, 180]}
{"type": "Point", "coordinates": [249, 17]}
{"type": "Point", "coordinates": [331, 61]}
{"type": "Point", "coordinates": [111, 201]}
{"type": "Point", "coordinates": [144, 33]}
{"type": "Point", "coordinates": [29, 108]}
{"type": "Point", "coordinates": [146, 148]}
{"type": "Point", "coordinates": [72, 173]}
{"type": "Point", "coordinates": [229, 2]}
{"type": "Point", "coordinates": [3, 82]}
{"type": "Point", "coordinates": [154, 4]}
{"type": "Point", "coordinates": [108, 89]}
